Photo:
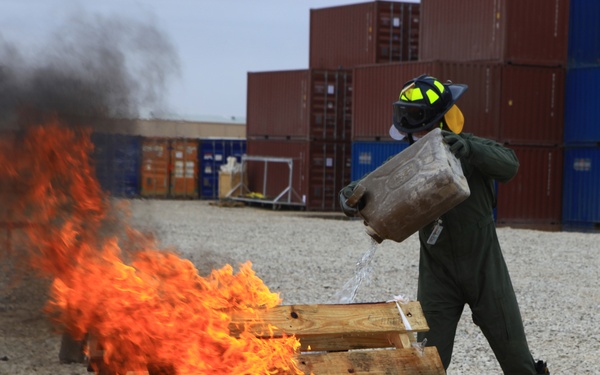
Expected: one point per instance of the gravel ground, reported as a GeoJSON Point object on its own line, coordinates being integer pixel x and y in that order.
{"type": "Point", "coordinates": [307, 257]}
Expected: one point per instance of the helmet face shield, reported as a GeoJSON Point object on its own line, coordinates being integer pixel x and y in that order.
{"type": "Point", "coordinates": [412, 116]}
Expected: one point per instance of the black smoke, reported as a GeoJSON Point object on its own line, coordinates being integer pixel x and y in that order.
{"type": "Point", "coordinates": [92, 69]}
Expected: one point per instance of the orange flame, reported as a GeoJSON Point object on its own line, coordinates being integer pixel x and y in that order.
{"type": "Point", "coordinates": [153, 310]}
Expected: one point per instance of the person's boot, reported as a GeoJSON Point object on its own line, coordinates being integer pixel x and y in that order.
{"type": "Point", "coordinates": [541, 368]}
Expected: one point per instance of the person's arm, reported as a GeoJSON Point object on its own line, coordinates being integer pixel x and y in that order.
{"type": "Point", "coordinates": [489, 157]}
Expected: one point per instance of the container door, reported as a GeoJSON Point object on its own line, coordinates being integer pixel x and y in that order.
{"type": "Point", "coordinates": [184, 168]}
{"type": "Point", "coordinates": [155, 167]}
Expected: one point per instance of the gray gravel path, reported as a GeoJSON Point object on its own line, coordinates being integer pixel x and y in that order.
{"type": "Point", "coordinates": [307, 258]}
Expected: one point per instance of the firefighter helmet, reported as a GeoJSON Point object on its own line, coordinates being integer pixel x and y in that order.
{"type": "Point", "coordinates": [422, 104]}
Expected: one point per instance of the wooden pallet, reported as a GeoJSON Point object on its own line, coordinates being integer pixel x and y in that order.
{"type": "Point", "coordinates": [362, 338]}
{"type": "Point", "coordinates": [368, 338]}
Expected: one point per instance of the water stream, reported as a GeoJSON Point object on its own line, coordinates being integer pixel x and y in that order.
{"type": "Point", "coordinates": [348, 292]}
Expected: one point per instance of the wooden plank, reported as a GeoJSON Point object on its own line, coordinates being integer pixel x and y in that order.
{"type": "Point", "coordinates": [388, 362]}
{"type": "Point", "coordinates": [353, 322]}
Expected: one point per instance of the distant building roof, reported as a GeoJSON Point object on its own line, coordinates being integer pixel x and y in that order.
{"type": "Point", "coordinates": [241, 120]}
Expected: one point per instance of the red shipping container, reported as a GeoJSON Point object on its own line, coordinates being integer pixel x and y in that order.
{"type": "Point", "coordinates": [300, 104]}
{"type": "Point", "coordinates": [534, 197]}
{"type": "Point", "coordinates": [481, 103]}
{"type": "Point", "coordinates": [319, 171]}
{"type": "Point", "coordinates": [184, 168]}
{"type": "Point", "coordinates": [523, 32]}
{"type": "Point", "coordinates": [532, 111]}
{"type": "Point", "coordinates": [368, 33]}
{"type": "Point", "coordinates": [155, 167]}
{"type": "Point", "coordinates": [376, 88]}
{"type": "Point", "coordinates": [516, 104]}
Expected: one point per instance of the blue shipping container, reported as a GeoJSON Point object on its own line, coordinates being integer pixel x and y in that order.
{"type": "Point", "coordinates": [117, 160]}
{"type": "Point", "coordinates": [581, 188]}
{"type": "Point", "coordinates": [582, 112]}
{"type": "Point", "coordinates": [368, 155]}
{"type": "Point", "coordinates": [584, 34]}
{"type": "Point", "coordinates": [212, 154]}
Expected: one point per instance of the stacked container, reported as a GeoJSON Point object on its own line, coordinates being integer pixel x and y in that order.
{"type": "Point", "coordinates": [369, 33]}
{"type": "Point", "coordinates": [304, 116]}
{"type": "Point", "coordinates": [376, 87]}
{"type": "Point", "coordinates": [581, 197]}
{"type": "Point", "coordinates": [513, 56]}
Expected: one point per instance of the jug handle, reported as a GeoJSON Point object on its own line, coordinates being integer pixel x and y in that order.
{"type": "Point", "coordinates": [357, 193]}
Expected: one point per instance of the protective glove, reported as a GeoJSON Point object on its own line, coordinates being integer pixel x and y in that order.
{"type": "Point", "coordinates": [345, 193]}
{"type": "Point", "coordinates": [459, 146]}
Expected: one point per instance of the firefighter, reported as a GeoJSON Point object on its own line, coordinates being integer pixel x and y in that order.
{"type": "Point", "coordinates": [461, 261]}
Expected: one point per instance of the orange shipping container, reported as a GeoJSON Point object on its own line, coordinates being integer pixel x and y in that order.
{"type": "Point", "coordinates": [155, 167]}
{"type": "Point", "coordinates": [184, 168]}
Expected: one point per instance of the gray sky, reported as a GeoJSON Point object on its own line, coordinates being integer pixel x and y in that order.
{"type": "Point", "coordinates": [217, 41]}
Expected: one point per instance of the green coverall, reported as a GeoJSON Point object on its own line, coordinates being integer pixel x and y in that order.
{"type": "Point", "coordinates": [465, 265]}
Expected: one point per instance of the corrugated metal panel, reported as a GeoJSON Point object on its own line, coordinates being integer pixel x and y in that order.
{"type": "Point", "coordinates": [584, 33]}
{"type": "Point", "coordinates": [532, 111]}
{"type": "Point", "coordinates": [300, 104]}
{"type": "Point", "coordinates": [117, 160]}
{"type": "Point", "coordinates": [184, 168]}
{"type": "Point", "coordinates": [533, 197]}
{"type": "Point", "coordinates": [376, 88]}
{"type": "Point", "coordinates": [582, 112]}
{"type": "Point", "coordinates": [319, 171]}
{"type": "Point", "coordinates": [581, 192]}
{"type": "Point", "coordinates": [368, 156]}
{"type": "Point", "coordinates": [212, 154]}
{"type": "Point", "coordinates": [524, 32]}
{"type": "Point", "coordinates": [155, 167]}
{"type": "Point", "coordinates": [481, 103]}
{"type": "Point", "coordinates": [368, 33]}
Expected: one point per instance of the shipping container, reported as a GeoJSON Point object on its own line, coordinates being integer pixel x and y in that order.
{"type": "Point", "coordinates": [532, 107]}
{"type": "Point", "coordinates": [584, 34]}
{"type": "Point", "coordinates": [367, 33]}
{"type": "Point", "coordinates": [300, 104]}
{"type": "Point", "coordinates": [532, 32]}
{"type": "Point", "coordinates": [213, 153]}
{"type": "Point", "coordinates": [376, 88]}
{"type": "Point", "coordinates": [533, 198]}
{"type": "Point", "coordinates": [117, 160]}
{"type": "Point", "coordinates": [368, 156]}
{"type": "Point", "coordinates": [582, 112]}
{"type": "Point", "coordinates": [516, 104]}
{"type": "Point", "coordinates": [184, 168]}
{"type": "Point", "coordinates": [481, 104]}
{"type": "Point", "coordinates": [155, 167]}
{"type": "Point", "coordinates": [581, 188]}
{"type": "Point", "coordinates": [315, 173]}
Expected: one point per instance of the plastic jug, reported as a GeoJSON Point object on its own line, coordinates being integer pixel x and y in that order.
{"type": "Point", "coordinates": [411, 190]}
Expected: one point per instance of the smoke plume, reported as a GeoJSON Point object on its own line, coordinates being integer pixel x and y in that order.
{"type": "Point", "coordinates": [91, 69]}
